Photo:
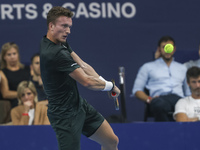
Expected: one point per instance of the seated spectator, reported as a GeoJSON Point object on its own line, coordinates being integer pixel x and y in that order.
{"type": "Point", "coordinates": [13, 69]}
{"type": "Point", "coordinates": [188, 109]}
{"type": "Point", "coordinates": [165, 80]}
{"type": "Point", "coordinates": [192, 63]}
{"type": "Point", "coordinates": [36, 77]}
{"type": "Point", "coordinates": [29, 111]}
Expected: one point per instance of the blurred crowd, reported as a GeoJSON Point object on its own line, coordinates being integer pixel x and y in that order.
{"type": "Point", "coordinates": [22, 97]}
{"type": "Point", "coordinates": [170, 90]}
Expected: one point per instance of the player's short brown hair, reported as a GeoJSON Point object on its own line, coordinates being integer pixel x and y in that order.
{"type": "Point", "coordinates": [56, 12]}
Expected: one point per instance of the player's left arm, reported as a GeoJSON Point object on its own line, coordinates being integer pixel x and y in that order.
{"type": "Point", "coordinates": [89, 70]}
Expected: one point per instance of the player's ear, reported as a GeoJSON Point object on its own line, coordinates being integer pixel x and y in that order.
{"type": "Point", "coordinates": [51, 26]}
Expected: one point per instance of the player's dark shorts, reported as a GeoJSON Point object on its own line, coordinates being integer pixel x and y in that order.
{"type": "Point", "coordinates": [68, 131]}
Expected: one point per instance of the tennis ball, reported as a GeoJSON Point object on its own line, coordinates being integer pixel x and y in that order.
{"type": "Point", "coordinates": [168, 48]}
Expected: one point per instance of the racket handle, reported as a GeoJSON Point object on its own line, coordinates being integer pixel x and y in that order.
{"type": "Point", "coordinates": [116, 102]}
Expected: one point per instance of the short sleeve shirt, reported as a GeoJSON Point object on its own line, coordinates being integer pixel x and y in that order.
{"type": "Point", "coordinates": [56, 64]}
{"type": "Point", "coordinates": [189, 106]}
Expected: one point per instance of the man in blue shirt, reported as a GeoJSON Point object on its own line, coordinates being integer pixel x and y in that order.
{"type": "Point", "coordinates": [165, 80]}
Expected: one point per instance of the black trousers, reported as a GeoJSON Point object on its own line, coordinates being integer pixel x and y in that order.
{"type": "Point", "coordinates": [163, 107]}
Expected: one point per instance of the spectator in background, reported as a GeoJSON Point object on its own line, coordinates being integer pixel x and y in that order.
{"type": "Point", "coordinates": [188, 109]}
{"type": "Point", "coordinates": [165, 79]}
{"type": "Point", "coordinates": [192, 63]}
{"type": "Point", "coordinates": [36, 77]}
{"type": "Point", "coordinates": [29, 111]}
{"type": "Point", "coordinates": [13, 69]}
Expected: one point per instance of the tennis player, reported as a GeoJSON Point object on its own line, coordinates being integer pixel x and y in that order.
{"type": "Point", "coordinates": [69, 114]}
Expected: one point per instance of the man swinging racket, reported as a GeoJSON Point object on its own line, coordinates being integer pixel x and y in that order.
{"type": "Point", "coordinates": [69, 114]}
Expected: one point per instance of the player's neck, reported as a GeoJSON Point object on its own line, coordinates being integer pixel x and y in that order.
{"type": "Point", "coordinates": [50, 37]}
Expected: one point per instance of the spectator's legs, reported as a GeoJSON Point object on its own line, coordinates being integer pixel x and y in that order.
{"type": "Point", "coordinates": [162, 106]}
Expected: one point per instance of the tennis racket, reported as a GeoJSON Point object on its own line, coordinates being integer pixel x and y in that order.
{"type": "Point", "coordinates": [113, 94]}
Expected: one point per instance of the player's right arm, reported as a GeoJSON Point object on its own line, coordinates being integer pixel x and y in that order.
{"type": "Point", "coordinates": [91, 82]}
{"type": "Point", "coordinates": [86, 67]}
{"type": "Point", "coordinates": [88, 77]}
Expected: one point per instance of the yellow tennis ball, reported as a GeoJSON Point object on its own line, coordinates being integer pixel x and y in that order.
{"type": "Point", "coordinates": [168, 48]}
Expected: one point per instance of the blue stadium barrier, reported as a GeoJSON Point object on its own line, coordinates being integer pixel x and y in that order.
{"type": "Point", "coordinates": [132, 136]}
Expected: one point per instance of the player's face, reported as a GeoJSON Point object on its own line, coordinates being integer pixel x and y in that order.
{"type": "Point", "coordinates": [164, 55]}
{"type": "Point", "coordinates": [27, 96]}
{"type": "Point", "coordinates": [11, 57]}
{"type": "Point", "coordinates": [194, 84]}
{"type": "Point", "coordinates": [36, 65]}
{"type": "Point", "coordinates": [61, 29]}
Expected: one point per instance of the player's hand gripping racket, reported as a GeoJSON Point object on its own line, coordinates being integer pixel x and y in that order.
{"type": "Point", "coordinates": [114, 96]}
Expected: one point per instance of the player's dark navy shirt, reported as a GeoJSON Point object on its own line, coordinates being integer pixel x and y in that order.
{"type": "Point", "coordinates": [56, 64]}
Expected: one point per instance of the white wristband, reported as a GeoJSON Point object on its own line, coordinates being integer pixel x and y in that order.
{"type": "Point", "coordinates": [109, 86]}
{"type": "Point", "coordinates": [101, 78]}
